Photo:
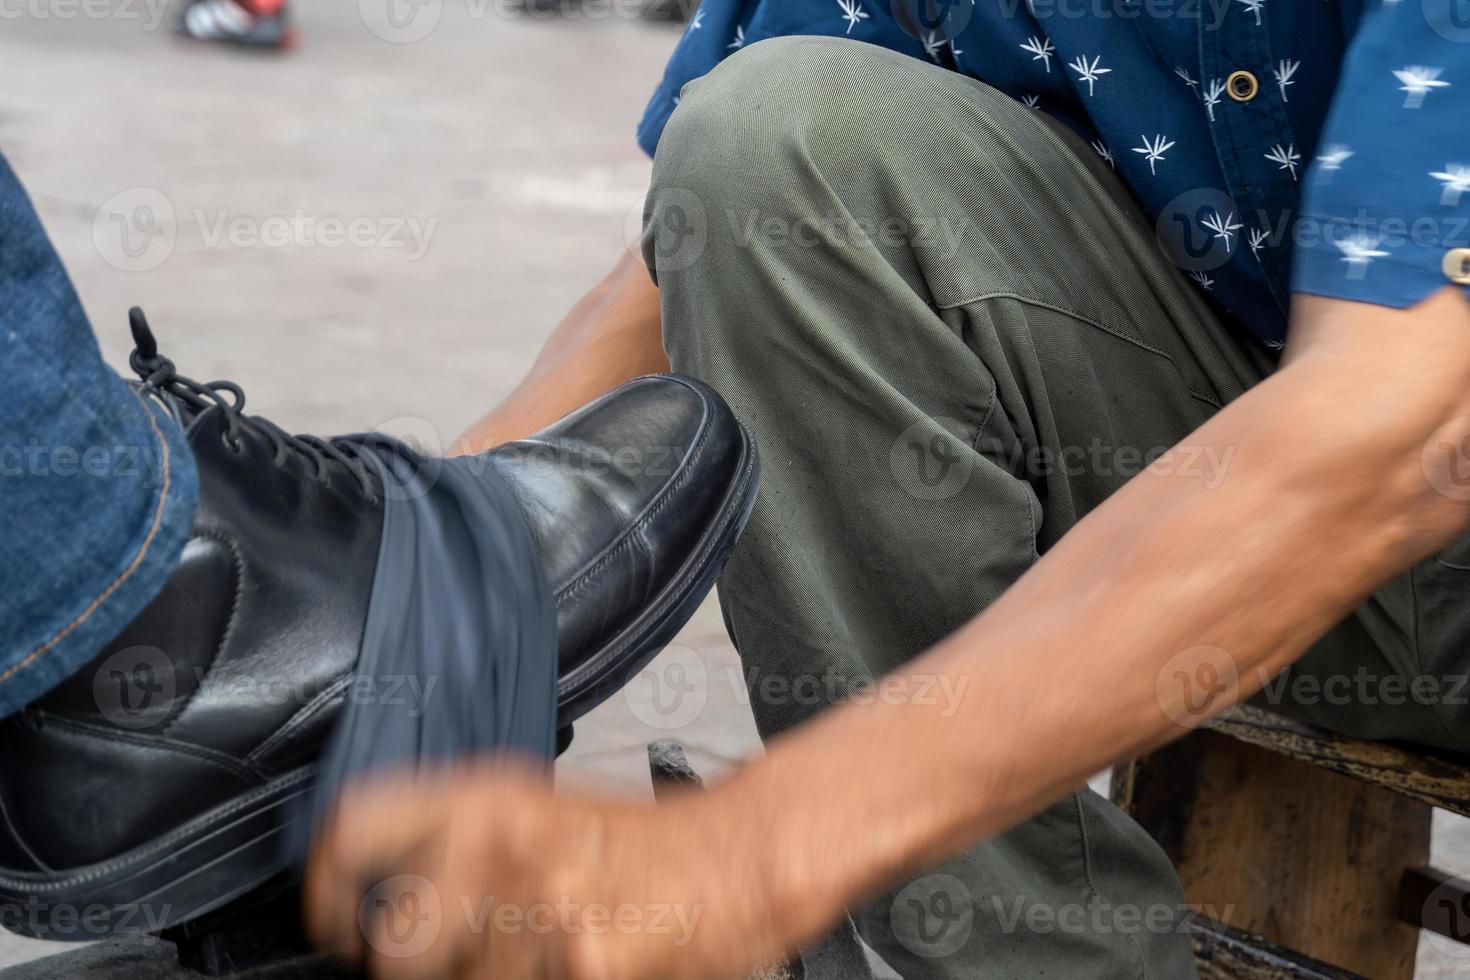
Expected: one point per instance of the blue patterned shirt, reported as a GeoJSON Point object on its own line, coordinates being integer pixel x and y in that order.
{"type": "Point", "coordinates": [1321, 146]}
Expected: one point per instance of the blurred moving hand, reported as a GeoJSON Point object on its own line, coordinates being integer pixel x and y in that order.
{"type": "Point", "coordinates": [481, 872]}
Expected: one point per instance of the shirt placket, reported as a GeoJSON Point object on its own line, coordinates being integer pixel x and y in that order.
{"type": "Point", "coordinates": [1246, 129]}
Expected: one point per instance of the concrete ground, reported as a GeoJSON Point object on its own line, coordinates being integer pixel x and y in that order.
{"type": "Point", "coordinates": [482, 161]}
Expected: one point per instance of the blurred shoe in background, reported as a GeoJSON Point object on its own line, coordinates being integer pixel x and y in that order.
{"type": "Point", "coordinates": [251, 23]}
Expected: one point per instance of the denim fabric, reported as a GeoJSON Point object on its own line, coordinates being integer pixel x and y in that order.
{"type": "Point", "coordinates": [97, 487]}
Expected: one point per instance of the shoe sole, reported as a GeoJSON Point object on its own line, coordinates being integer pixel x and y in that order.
{"type": "Point", "coordinates": [235, 848]}
{"type": "Point", "coordinates": [207, 863]}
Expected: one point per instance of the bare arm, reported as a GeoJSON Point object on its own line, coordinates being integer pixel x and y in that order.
{"type": "Point", "coordinates": [610, 336]}
{"type": "Point", "coordinates": [1078, 665]}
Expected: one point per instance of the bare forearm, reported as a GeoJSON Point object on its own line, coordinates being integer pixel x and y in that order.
{"type": "Point", "coordinates": [1075, 667]}
{"type": "Point", "coordinates": [612, 335]}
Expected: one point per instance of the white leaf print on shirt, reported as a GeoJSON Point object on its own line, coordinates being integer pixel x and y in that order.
{"type": "Point", "coordinates": [1283, 72]}
{"type": "Point", "coordinates": [1359, 252]}
{"type": "Point", "coordinates": [1154, 151]}
{"type": "Point", "coordinates": [1258, 238]}
{"type": "Point", "coordinates": [1331, 160]}
{"type": "Point", "coordinates": [1203, 278]}
{"type": "Point", "coordinates": [1253, 6]}
{"type": "Point", "coordinates": [1418, 82]}
{"type": "Point", "coordinates": [852, 12]}
{"type": "Point", "coordinates": [1187, 80]}
{"type": "Point", "coordinates": [1456, 179]}
{"type": "Point", "coordinates": [1212, 95]}
{"type": "Point", "coordinates": [1286, 158]}
{"type": "Point", "coordinates": [1032, 101]}
{"type": "Point", "coordinates": [739, 41]}
{"type": "Point", "coordinates": [1223, 228]}
{"type": "Point", "coordinates": [933, 44]}
{"type": "Point", "coordinates": [1104, 152]}
{"type": "Point", "coordinates": [1041, 50]}
{"type": "Point", "coordinates": [698, 20]}
{"type": "Point", "coordinates": [1089, 73]}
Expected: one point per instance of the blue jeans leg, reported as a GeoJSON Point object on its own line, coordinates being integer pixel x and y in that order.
{"type": "Point", "coordinates": [97, 485]}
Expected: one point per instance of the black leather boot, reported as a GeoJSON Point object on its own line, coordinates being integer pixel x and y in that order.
{"type": "Point", "coordinates": [153, 786]}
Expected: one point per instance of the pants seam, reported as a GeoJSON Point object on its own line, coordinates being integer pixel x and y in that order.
{"type": "Point", "coordinates": [231, 621]}
{"type": "Point", "coordinates": [1093, 890]}
{"type": "Point", "coordinates": [1414, 644]}
{"type": "Point", "coordinates": [133, 565]}
{"type": "Point", "coordinates": [1032, 301]}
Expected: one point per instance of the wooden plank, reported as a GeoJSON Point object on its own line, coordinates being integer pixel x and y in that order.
{"type": "Point", "coordinates": [1223, 953]}
{"type": "Point", "coordinates": [1435, 900]}
{"type": "Point", "coordinates": [1439, 779]}
{"type": "Point", "coordinates": [1305, 856]}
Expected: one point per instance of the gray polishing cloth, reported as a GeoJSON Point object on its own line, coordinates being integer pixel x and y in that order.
{"type": "Point", "coordinates": [461, 613]}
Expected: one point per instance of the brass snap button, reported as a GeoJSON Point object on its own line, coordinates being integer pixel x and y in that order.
{"type": "Point", "coordinates": [1457, 265]}
{"type": "Point", "coordinates": [1242, 86]}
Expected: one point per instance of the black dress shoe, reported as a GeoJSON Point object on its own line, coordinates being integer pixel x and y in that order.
{"type": "Point", "coordinates": [155, 784]}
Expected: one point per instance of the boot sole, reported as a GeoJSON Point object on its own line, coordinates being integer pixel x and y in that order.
{"type": "Point", "coordinates": [192, 870]}
{"type": "Point", "coordinates": [235, 848]}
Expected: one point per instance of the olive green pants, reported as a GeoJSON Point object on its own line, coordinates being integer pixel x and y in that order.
{"type": "Point", "coordinates": [954, 334]}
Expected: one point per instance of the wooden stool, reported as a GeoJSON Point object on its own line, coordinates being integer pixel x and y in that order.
{"type": "Point", "coordinates": [1307, 853]}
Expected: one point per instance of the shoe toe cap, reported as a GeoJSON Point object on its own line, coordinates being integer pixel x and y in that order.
{"type": "Point", "coordinates": [623, 495]}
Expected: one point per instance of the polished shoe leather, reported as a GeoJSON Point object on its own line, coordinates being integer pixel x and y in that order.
{"type": "Point", "coordinates": [162, 772]}
{"type": "Point", "coordinates": [645, 477]}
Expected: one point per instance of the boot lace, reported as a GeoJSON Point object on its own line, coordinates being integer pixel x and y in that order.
{"type": "Point", "coordinates": [187, 399]}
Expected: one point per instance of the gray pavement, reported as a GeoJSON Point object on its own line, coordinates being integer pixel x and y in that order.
{"type": "Point", "coordinates": [485, 173]}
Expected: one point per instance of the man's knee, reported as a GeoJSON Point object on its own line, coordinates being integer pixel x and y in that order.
{"type": "Point", "coordinates": [819, 103]}
{"type": "Point", "coordinates": [741, 168]}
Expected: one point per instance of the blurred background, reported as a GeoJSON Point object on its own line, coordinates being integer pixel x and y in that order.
{"type": "Point", "coordinates": [376, 228]}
